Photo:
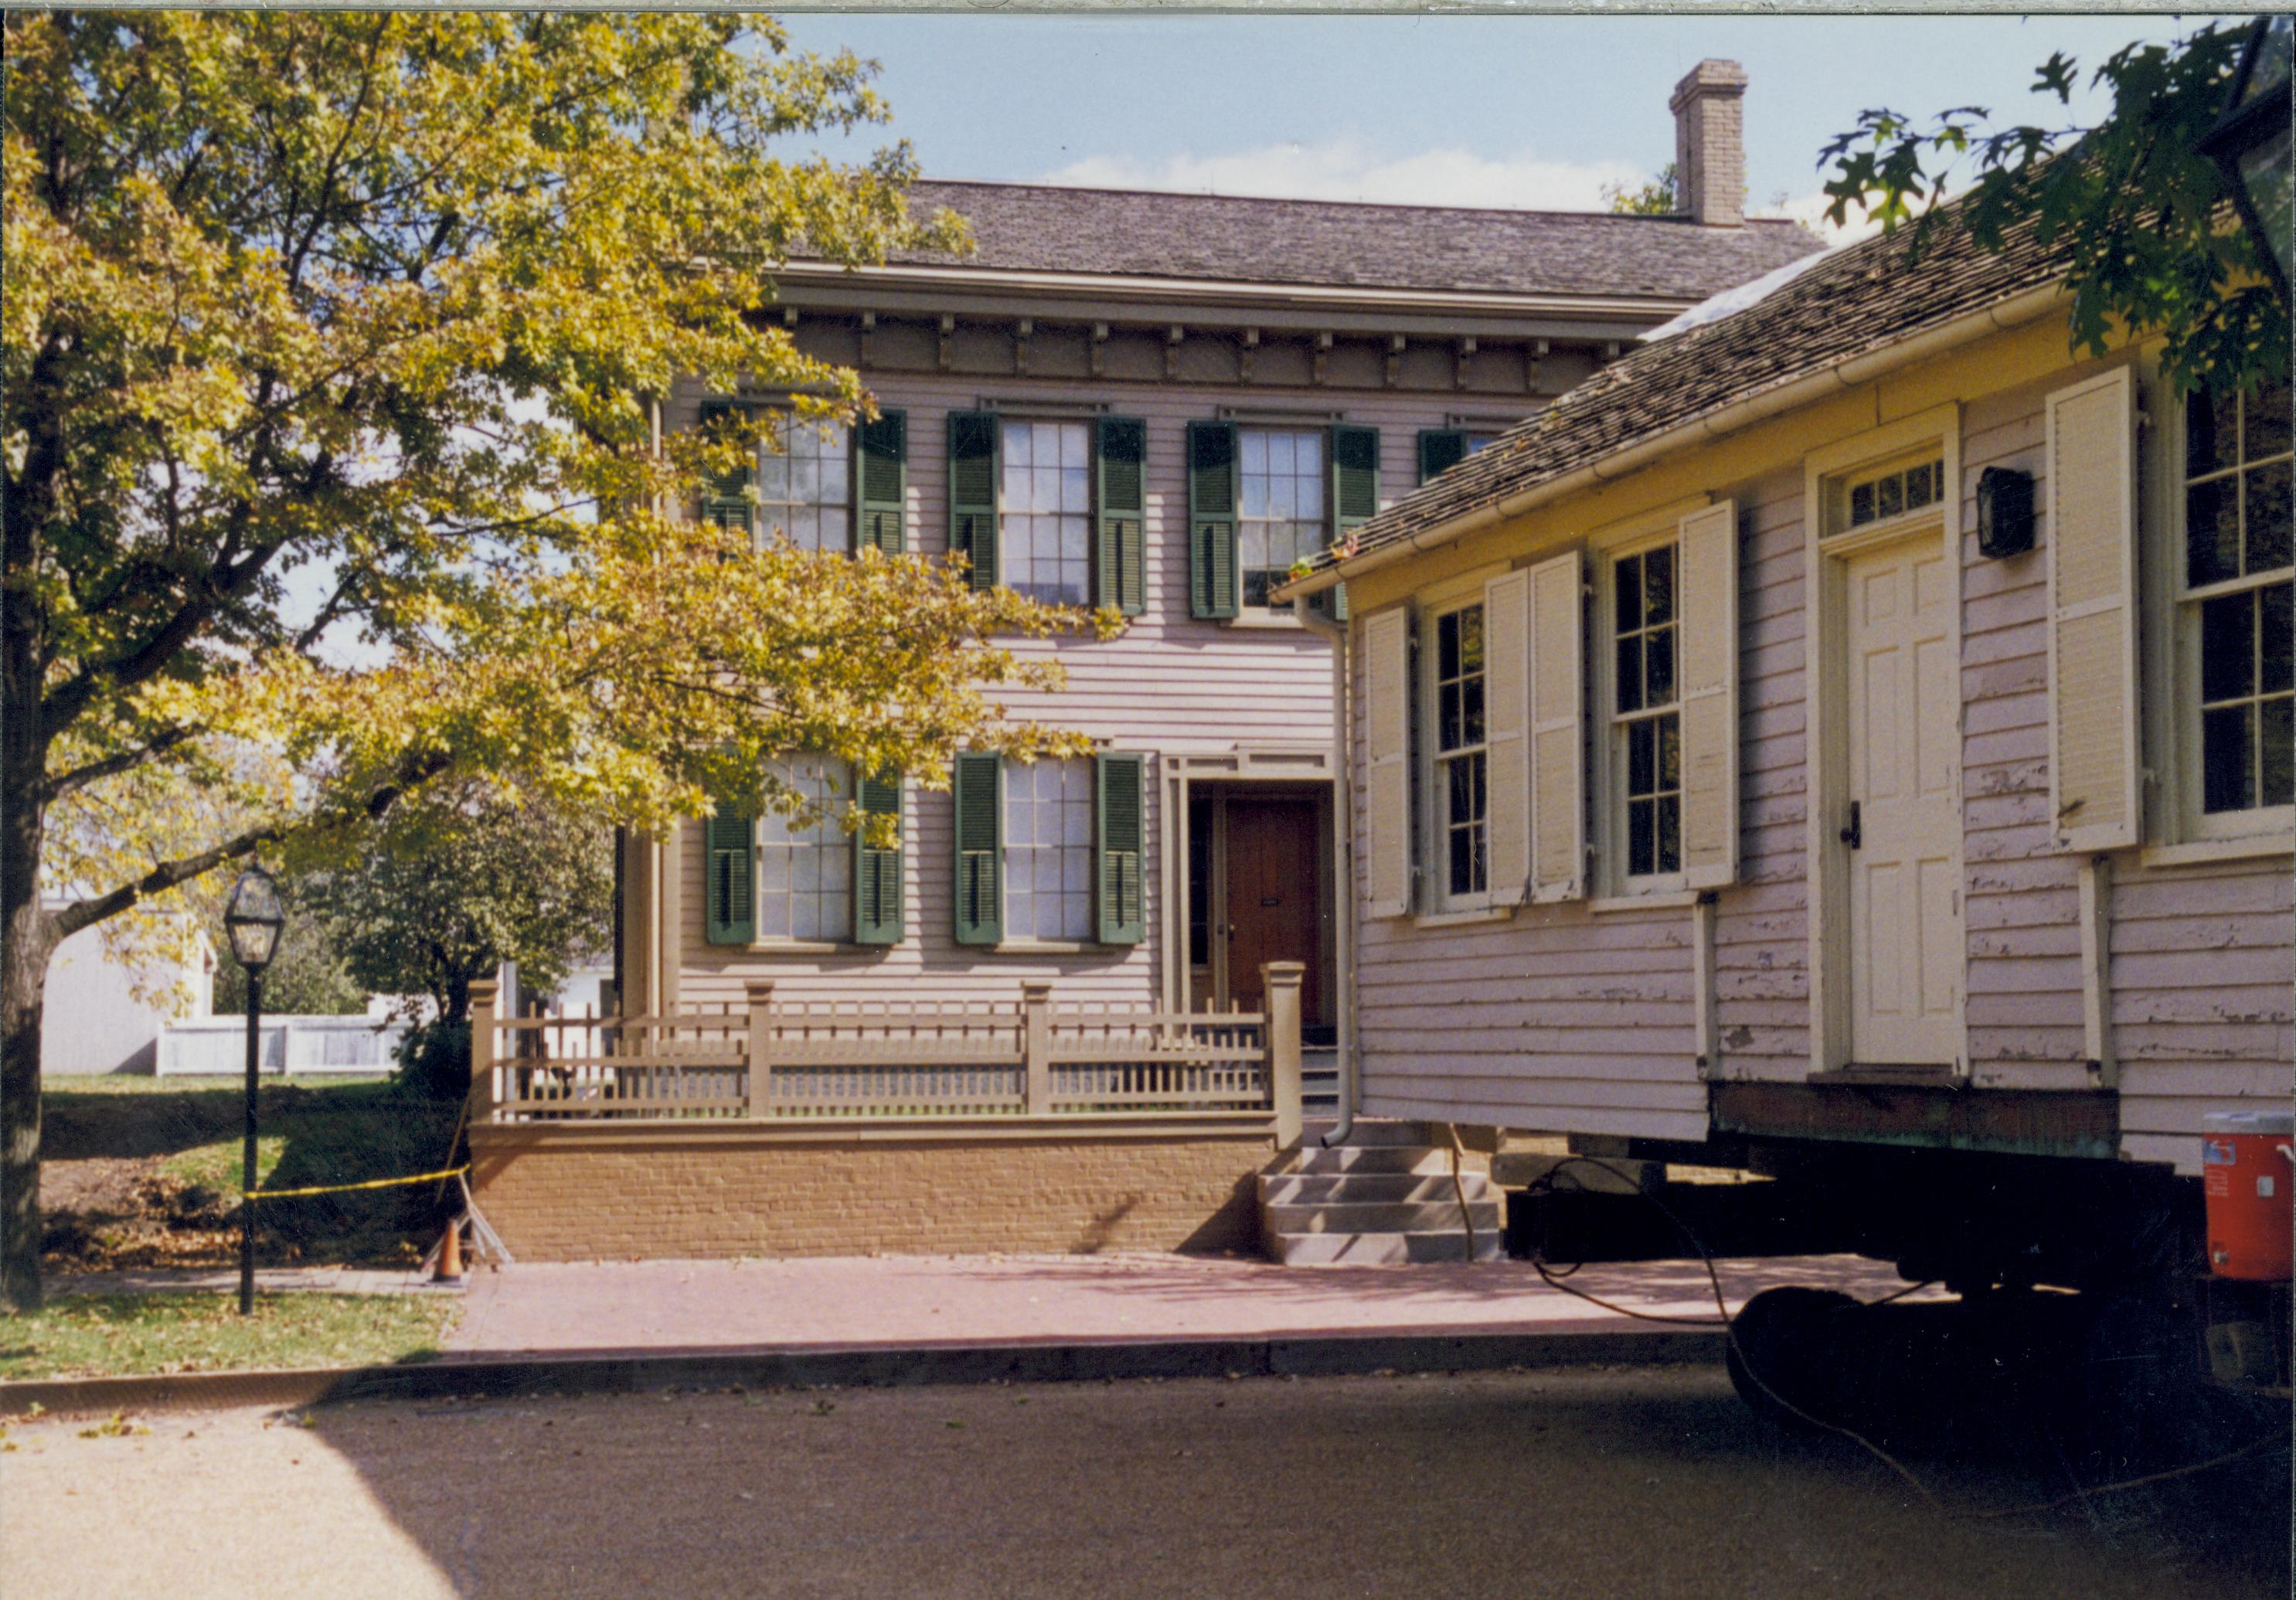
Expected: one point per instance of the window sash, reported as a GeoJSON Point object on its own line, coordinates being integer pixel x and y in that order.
{"type": "Point", "coordinates": [2200, 716]}
{"type": "Point", "coordinates": [1646, 803]}
{"type": "Point", "coordinates": [1281, 477]}
{"type": "Point", "coordinates": [1045, 506]}
{"type": "Point", "coordinates": [805, 876]}
{"type": "Point", "coordinates": [1049, 850]}
{"type": "Point", "coordinates": [805, 487]}
{"type": "Point", "coordinates": [1457, 741]}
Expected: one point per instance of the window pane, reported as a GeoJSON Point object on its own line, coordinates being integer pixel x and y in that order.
{"type": "Point", "coordinates": [1460, 777]}
{"type": "Point", "coordinates": [1658, 677]}
{"type": "Point", "coordinates": [1861, 504]}
{"type": "Point", "coordinates": [2266, 420]}
{"type": "Point", "coordinates": [2274, 637]}
{"type": "Point", "coordinates": [1471, 638]}
{"type": "Point", "coordinates": [2211, 532]}
{"type": "Point", "coordinates": [2226, 758]}
{"type": "Point", "coordinates": [1669, 753]}
{"type": "Point", "coordinates": [1471, 711]}
{"type": "Point", "coordinates": [1447, 645]}
{"type": "Point", "coordinates": [1630, 594]}
{"type": "Point", "coordinates": [2277, 758]}
{"type": "Point", "coordinates": [2209, 437]}
{"type": "Point", "coordinates": [2267, 517]}
{"type": "Point", "coordinates": [1642, 843]}
{"type": "Point", "coordinates": [2228, 647]}
{"type": "Point", "coordinates": [1462, 861]}
{"type": "Point", "coordinates": [1447, 717]}
{"type": "Point", "coordinates": [1668, 830]}
{"type": "Point", "coordinates": [1630, 674]}
{"type": "Point", "coordinates": [1890, 495]}
{"type": "Point", "coordinates": [1642, 757]}
{"type": "Point", "coordinates": [1920, 483]}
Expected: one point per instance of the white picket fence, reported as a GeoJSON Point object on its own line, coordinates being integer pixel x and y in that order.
{"type": "Point", "coordinates": [298, 1046]}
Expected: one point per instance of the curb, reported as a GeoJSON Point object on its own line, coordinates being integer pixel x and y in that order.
{"type": "Point", "coordinates": [909, 1366]}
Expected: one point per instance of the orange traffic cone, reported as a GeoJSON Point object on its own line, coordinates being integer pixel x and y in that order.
{"type": "Point", "coordinates": [450, 1255]}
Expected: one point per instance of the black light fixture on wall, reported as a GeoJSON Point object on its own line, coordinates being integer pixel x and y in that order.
{"type": "Point", "coordinates": [2005, 512]}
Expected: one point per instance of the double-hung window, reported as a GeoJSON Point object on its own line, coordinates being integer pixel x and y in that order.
{"type": "Point", "coordinates": [2235, 579]}
{"type": "Point", "coordinates": [1459, 757]}
{"type": "Point", "coordinates": [805, 874]}
{"type": "Point", "coordinates": [1047, 506]}
{"type": "Point", "coordinates": [1646, 713]}
{"type": "Point", "coordinates": [1280, 518]}
{"type": "Point", "coordinates": [1048, 850]}
{"type": "Point", "coordinates": [805, 485]}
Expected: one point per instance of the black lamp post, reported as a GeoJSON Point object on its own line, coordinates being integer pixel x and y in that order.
{"type": "Point", "coordinates": [2250, 143]}
{"type": "Point", "coordinates": [253, 920]}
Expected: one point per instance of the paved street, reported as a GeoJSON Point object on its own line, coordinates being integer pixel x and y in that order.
{"type": "Point", "coordinates": [1632, 1482]}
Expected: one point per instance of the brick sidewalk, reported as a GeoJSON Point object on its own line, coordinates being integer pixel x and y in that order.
{"type": "Point", "coordinates": [891, 1301]}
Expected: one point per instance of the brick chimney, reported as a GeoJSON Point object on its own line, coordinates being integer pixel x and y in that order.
{"type": "Point", "coordinates": [1709, 150]}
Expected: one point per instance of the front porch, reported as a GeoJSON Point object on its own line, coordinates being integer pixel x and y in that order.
{"type": "Point", "coordinates": [851, 1127]}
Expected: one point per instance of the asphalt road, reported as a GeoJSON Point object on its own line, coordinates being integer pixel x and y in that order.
{"type": "Point", "coordinates": [1599, 1483]}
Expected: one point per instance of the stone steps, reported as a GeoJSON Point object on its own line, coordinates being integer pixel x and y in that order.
{"type": "Point", "coordinates": [1385, 1198]}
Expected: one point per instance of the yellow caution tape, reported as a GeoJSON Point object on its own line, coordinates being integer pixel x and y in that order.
{"type": "Point", "coordinates": [344, 1188]}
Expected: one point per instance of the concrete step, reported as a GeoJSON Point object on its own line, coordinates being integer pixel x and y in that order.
{"type": "Point", "coordinates": [1380, 1249]}
{"type": "Point", "coordinates": [1377, 1216]}
{"type": "Point", "coordinates": [1366, 1158]}
{"type": "Point", "coordinates": [1317, 1188]}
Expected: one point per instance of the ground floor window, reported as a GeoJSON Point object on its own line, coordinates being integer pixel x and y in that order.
{"type": "Point", "coordinates": [1048, 850]}
{"type": "Point", "coordinates": [805, 875]}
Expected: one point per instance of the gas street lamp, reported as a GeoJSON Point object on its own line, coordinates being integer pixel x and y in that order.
{"type": "Point", "coordinates": [2250, 143]}
{"type": "Point", "coordinates": [253, 922]}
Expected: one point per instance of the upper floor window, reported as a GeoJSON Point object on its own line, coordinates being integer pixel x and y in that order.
{"type": "Point", "coordinates": [805, 875]}
{"type": "Point", "coordinates": [1048, 849]}
{"type": "Point", "coordinates": [1645, 712]}
{"type": "Point", "coordinates": [1047, 510]}
{"type": "Point", "coordinates": [2237, 579]}
{"type": "Point", "coordinates": [1460, 787]}
{"type": "Point", "coordinates": [1280, 518]}
{"type": "Point", "coordinates": [804, 485]}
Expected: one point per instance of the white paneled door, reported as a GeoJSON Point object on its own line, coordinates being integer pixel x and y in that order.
{"type": "Point", "coordinates": [1905, 887]}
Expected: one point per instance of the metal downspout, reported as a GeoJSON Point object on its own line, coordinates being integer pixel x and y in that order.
{"type": "Point", "coordinates": [1342, 869]}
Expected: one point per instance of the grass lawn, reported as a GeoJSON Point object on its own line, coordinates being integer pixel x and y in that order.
{"type": "Point", "coordinates": [110, 1335]}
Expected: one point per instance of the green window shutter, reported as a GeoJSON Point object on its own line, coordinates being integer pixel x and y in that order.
{"type": "Point", "coordinates": [880, 476]}
{"type": "Point", "coordinates": [1354, 499]}
{"type": "Point", "coordinates": [725, 498]}
{"type": "Point", "coordinates": [979, 849]}
{"type": "Point", "coordinates": [729, 847]}
{"type": "Point", "coordinates": [1440, 448]}
{"type": "Point", "coordinates": [1120, 796]}
{"type": "Point", "coordinates": [973, 474]}
{"type": "Point", "coordinates": [1120, 462]}
{"type": "Point", "coordinates": [1211, 519]}
{"type": "Point", "coordinates": [877, 917]}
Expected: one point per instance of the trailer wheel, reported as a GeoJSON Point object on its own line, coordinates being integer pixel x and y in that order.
{"type": "Point", "coordinates": [1792, 1337]}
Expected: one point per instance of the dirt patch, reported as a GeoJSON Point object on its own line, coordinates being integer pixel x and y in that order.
{"type": "Point", "coordinates": [109, 1201]}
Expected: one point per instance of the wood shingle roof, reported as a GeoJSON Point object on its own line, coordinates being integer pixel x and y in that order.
{"type": "Point", "coordinates": [1035, 227]}
{"type": "Point", "coordinates": [1864, 298]}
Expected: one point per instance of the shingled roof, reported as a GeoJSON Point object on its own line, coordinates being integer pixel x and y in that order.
{"type": "Point", "coordinates": [1864, 298]}
{"type": "Point", "coordinates": [1044, 228]}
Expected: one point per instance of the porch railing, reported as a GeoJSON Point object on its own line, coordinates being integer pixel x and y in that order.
{"type": "Point", "coordinates": [820, 1061]}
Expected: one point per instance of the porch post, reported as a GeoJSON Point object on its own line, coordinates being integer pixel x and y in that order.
{"type": "Point", "coordinates": [482, 1049]}
{"type": "Point", "coordinates": [761, 1044]}
{"type": "Point", "coordinates": [1036, 1043]}
{"type": "Point", "coordinates": [1280, 982]}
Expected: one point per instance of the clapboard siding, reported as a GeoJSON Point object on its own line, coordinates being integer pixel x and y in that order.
{"type": "Point", "coordinates": [1170, 685]}
{"type": "Point", "coordinates": [1520, 1023]}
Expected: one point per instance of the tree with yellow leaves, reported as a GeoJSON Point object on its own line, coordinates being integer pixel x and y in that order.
{"type": "Point", "coordinates": [331, 348]}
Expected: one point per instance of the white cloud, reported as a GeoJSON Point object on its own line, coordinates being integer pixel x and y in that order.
{"type": "Point", "coordinates": [1345, 170]}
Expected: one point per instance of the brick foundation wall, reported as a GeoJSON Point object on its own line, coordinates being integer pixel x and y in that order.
{"type": "Point", "coordinates": [565, 1192]}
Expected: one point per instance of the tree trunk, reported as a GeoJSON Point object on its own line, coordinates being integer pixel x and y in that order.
{"type": "Point", "coordinates": [27, 940]}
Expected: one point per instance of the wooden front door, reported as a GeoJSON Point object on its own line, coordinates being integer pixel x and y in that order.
{"type": "Point", "coordinates": [1273, 910]}
{"type": "Point", "coordinates": [1905, 889]}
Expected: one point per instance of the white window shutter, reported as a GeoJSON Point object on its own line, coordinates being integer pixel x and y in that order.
{"type": "Point", "coordinates": [1506, 724]}
{"type": "Point", "coordinates": [2092, 539]}
{"type": "Point", "coordinates": [1387, 718]}
{"type": "Point", "coordinates": [1558, 739]}
{"type": "Point", "coordinates": [1708, 601]}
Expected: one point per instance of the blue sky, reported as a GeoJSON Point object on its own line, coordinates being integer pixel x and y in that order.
{"type": "Point", "coordinates": [1492, 111]}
